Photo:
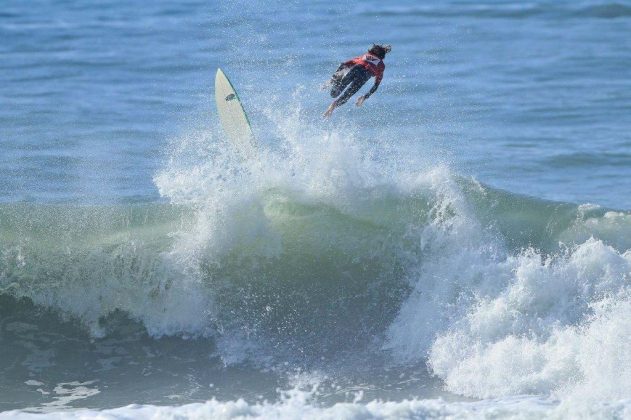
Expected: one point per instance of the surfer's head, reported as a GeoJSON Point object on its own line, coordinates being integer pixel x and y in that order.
{"type": "Point", "coordinates": [380, 50]}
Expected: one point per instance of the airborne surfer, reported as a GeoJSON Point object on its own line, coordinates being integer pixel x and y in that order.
{"type": "Point", "coordinates": [355, 73]}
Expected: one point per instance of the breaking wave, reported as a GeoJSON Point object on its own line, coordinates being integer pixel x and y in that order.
{"type": "Point", "coordinates": [326, 248]}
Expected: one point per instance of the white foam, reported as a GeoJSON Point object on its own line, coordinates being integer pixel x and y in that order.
{"type": "Point", "coordinates": [297, 404]}
{"type": "Point", "coordinates": [492, 323]}
{"type": "Point", "coordinates": [500, 325]}
{"type": "Point", "coordinates": [529, 337]}
{"type": "Point", "coordinates": [612, 227]}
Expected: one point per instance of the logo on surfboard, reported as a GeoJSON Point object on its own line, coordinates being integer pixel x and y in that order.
{"type": "Point", "coordinates": [230, 97]}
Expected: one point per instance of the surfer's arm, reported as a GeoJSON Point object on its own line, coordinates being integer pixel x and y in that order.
{"type": "Point", "coordinates": [373, 89]}
{"type": "Point", "coordinates": [378, 78]}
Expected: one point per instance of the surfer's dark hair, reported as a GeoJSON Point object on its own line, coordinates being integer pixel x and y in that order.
{"type": "Point", "coordinates": [380, 50]}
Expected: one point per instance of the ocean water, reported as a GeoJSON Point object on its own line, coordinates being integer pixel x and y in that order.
{"type": "Point", "coordinates": [460, 246]}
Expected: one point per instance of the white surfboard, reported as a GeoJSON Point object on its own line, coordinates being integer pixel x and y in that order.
{"type": "Point", "coordinates": [233, 118]}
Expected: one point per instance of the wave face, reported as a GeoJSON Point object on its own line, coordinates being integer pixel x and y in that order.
{"type": "Point", "coordinates": [324, 255]}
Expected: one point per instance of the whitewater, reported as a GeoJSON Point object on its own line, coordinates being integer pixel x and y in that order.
{"type": "Point", "coordinates": [459, 247]}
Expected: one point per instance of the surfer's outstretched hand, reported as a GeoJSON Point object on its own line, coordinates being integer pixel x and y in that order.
{"type": "Point", "coordinates": [360, 100]}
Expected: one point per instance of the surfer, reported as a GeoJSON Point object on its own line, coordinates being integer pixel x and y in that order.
{"type": "Point", "coordinates": [355, 73]}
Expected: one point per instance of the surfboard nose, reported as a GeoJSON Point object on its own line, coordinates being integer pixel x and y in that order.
{"type": "Point", "coordinates": [233, 118]}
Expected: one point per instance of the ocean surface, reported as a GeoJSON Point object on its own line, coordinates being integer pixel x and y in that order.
{"type": "Point", "coordinates": [460, 246]}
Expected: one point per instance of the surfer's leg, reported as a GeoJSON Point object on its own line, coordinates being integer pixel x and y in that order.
{"type": "Point", "coordinates": [360, 77]}
{"type": "Point", "coordinates": [342, 78]}
{"type": "Point", "coordinates": [329, 110]}
{"type": "Point", "coordinates": [336, 79]}
{"type": "Point", "coordinates": [336, 82]}
{"type": "Point", "coordinates": [356, 77]}
{"type": "Point", "coordinates": [336, 85]}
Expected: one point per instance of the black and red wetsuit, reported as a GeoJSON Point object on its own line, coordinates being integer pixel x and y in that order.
{"type": "Point", "coordinates": [362, 68]}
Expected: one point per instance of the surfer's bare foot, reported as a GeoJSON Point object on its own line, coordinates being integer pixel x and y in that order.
{"type": "Point", "coordinates": [329, 110]}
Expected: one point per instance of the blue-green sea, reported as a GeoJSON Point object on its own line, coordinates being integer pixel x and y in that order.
{"type": "Point", "coordinates": [459, 246]}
